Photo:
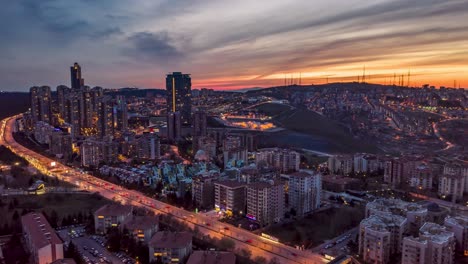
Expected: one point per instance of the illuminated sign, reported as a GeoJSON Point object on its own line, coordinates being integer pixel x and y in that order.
{"type": "Point", "coordinates": [100, 216]}
{"type": "Point", "coordinates": [251, 217]}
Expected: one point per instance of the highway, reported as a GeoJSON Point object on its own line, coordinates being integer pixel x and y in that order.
{"type": "Point", "coordinates": [207, 226]}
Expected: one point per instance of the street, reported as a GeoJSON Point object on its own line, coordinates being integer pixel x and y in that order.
{"type": "Point", "coordinates": [243, 239]}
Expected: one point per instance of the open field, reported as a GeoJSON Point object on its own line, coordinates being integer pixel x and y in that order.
{"type": "Point", "coordinates": [309, 130]}
{"type": "Point", "coordinates": [271, 109]}
{"type": "Point", "coordinates": [316, 228]}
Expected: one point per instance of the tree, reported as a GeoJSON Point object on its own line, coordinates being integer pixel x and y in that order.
{"type": "Point", "coordinates": [260, 260]}
{"type": "Point", "coordinates": [53, 219]}
{"type": "Point", "coordinates": [274, 261]}
{"type": "Point", "coordinates": [246, 253]}
{"type": "Point", "coordinates": [226, 243]}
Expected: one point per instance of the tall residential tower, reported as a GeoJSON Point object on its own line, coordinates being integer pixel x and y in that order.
{"type": "Point", "coordinates": [179, 95]}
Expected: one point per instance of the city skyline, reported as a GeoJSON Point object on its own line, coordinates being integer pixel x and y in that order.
{"type": "Point", "coordinates": [246, 45]}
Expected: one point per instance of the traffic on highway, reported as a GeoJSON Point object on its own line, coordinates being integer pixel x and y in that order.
{"type": "Point", "coordinates": [207, 226]}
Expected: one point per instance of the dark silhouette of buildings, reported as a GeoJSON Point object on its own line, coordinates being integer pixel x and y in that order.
{"type": "Point", "coordinates": [41, 104]}
{"type": "Point", "coordinates": [179, 95]}
{"type": "Point", "coordinates": [75, 72]}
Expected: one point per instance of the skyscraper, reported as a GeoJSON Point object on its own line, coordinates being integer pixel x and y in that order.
{"type": "Point", "coordinates": [173, 125]}
{"type": "Point", "coordinates": [40, 104]}
{"type": "Point", "coordinates": [62, 94]}
{"type": "Point", "coordinates": [179, 95]}
{"type": "Point", "coordinates": [112, 116]}
{"type": "Point", "coordinates": [75, 73]}
{"type": "Point", "coordinates": [199, 124]}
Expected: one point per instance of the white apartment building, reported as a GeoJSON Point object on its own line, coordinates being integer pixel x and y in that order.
{"type": "Point", "coordinates": [453, 185]}
{"type": "Point", "coordinates": [283, 159]}
{"type": "Point", "coordinates": [304, 191]}
{"type": "Point", "coordinates": [459, 226]}
{"type": "Point", "coordinates": [458, 168]}
{"type": "Point", "coordinates": [416, 214]}
{"type": "Point", "coordinates": [380, 236]}
{"type": "Point", "coordinates": [435, 245]}
{"type": "Point", "coordinates": [265, 201]}
{"type": "Point", "coordinates": [90, 153]}
{"type": "Point", "coordinates": [341, 164]}
{"type": "Point", "coordinates": [421, 177]}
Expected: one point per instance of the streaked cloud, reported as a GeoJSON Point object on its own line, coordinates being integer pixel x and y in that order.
{"type": "Point", "coordinates": [226, 44]}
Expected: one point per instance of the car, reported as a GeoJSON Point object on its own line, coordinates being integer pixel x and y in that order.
{"type": "Point", "coordinates": [249, 241]}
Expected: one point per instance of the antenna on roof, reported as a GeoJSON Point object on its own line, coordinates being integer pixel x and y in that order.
{"type": "Point", "coordinates": [409, 74]}
{"type": "Point", "coordinates": [364, 74]}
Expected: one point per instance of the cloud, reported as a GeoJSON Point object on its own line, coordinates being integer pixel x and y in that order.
{"type": "Point", "coordinates": [154, 47]}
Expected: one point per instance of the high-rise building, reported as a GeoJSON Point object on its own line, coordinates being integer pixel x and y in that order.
{"type": "Point", "coordinates": [451, 185]}
{"type": "Point", "coordinates": [149, 146]}
{"type": "Point", "coordinates": [74, 112]}
{"type": "Point", "coordinates": [179, 95]}
{"type": "Point", "coordinates": [60, 144]}
{"type": "Point", "coordinates": [203, 191]}
{"type": "Point", "coordinates": [62, 94]}
{"type": "Point", "coordinates": [304, 191]}
{"type": "Point", "coordinates": [230, 197]}
{"type": "Point", "coordinates": [174, 128]}
{"type": "Point", "coordinates": [458, 168]}
{"type": "Point", "coordinates": [75, 73]}
{"type": "Point", "coordinates": [341, 164]}
{"type": "Point", "coordinates": [265, 202]}
{"type": "Point", "coordinates": [199, 124]}
{"type": "Point", "coordinates": [380, 236]}
{"type": "Point", "coordinates": [416, 214]}
{"type": "Point", "coordinates": [90, 153]}
{"type": "Point", "coordinates": [459, 226]}
{"type": "Point", "coordinates": [41, 104]}
{"type": "Point", "coordinates": [112, 116]}
{"type": "Point", "coordinates": [283, 159]}
{"type": "Point", "coordinates": [421, 177]}
{"type": "Point", "coordinates": [435, 245]}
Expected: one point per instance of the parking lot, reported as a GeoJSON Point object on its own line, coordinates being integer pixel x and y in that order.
{"type": "Point", "coordinates": [92, 248]}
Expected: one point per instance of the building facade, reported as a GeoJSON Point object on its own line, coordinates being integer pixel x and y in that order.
{"type": "Point", "coordinates": [179, 95]}
{"type": "Point", "coordinates": [43, 243]}
{"type": "Point", "coordinates": [304, 191]}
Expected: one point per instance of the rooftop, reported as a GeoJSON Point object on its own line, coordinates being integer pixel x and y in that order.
{"type": "Point", "coordinates": [435, 233]}
{"type": "Point", "coordinates": [40, 231]}
{"type": "Point", "coordinates": [114, 210]}
{"type": "Point", "coordinates": [166, 239]}
{"type": "Point", "coordinates": [212, 257]}
{"type": "Point", "coordinates": [457, 220]}
{"type": "Point", "coordinates": [141, 222]}
{"type": "Point", "coordinates": [230, 184]}
{"type": "Point", "coordinates": [303, 174]}
{"type": "Point", "coordinates": [383, 222]}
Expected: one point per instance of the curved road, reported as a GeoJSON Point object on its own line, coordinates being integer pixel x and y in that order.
{"type": "Point", "coordinates": [243, 239]}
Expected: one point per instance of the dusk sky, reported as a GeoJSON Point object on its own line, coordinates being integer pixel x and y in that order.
{"type": "Point", "coordinates": [232, 44]}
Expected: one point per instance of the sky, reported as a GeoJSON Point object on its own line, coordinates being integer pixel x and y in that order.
{"type": "Point", "coordinates": [227, 44]}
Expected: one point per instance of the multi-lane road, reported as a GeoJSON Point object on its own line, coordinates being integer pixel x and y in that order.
{"type": "Point", "coordinates": [207, 226]}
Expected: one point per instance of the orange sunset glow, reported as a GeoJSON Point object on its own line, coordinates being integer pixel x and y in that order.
{"type": "Point", "coordinates": [246, 44]}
